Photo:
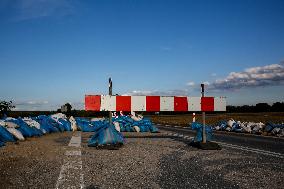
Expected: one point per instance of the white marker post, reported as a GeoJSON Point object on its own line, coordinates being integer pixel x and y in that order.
{"type": "Point", "coordinates": [193, 117]}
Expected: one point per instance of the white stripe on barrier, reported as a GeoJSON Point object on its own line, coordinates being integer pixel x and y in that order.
{"type": "Point", "coordinates": [194, 103]}
{"type": "Point", "coordinates": [138, 103]}
{"type": "Point", "coordinates": [166, 103]}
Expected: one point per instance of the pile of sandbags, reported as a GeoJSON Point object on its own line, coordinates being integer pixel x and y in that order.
{"type": "Point", "coordinates": [250, 127]}
{"type": "Point", "coordinates": [106, 136]}
{"type": "Point", "coordinates": [133, 124]}
{"type": "Point", "coordinates": [12, 129]}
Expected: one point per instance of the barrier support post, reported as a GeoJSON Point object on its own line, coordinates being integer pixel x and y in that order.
{"type": "Point", "coordinates": [110, 93]}
{"type": "Point", "coordinates": [203, 118]}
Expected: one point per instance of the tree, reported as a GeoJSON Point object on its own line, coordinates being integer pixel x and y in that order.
{"type": "Point", "coordinates": [5, 107]}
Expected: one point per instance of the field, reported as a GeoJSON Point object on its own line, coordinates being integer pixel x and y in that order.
{"type": "Point", "coordinates": [185, 119]}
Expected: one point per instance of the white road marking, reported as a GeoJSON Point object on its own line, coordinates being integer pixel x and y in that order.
{"type": "Point", "coordinates": [255, 150]}
{"type": "Point", "coordinates": [71, 171]}
{"type": "Point", "coordinates": [73, 153]}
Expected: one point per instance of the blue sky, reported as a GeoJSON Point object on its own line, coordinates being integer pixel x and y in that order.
{"type": "Point", "coordinates": [56, 51]}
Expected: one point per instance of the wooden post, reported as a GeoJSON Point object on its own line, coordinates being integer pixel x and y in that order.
{"type": "Point", "coordinates": [110, 93]}
{"type": "Point", "coordinates": [203, 118]}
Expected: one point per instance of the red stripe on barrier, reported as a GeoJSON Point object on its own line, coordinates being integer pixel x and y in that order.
{"type": "Point", "coordinates": [123, 103]}
{"type": "Point", "coordinates": [207, 104]}
{"type": "Point", "coordinates": [92, 102]}
{"type": "Point", "coordinates": [180, 104]}
{"type": "Point", "coordinates": [152, 103]}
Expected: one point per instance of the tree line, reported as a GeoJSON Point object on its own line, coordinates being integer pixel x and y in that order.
{"type": "Point", "coordinates": [259, 107]}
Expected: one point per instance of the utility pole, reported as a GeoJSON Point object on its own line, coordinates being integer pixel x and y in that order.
{"type": "Point", "coordinates": [203, 118]}
{"type": "Point", "coordinates": [110, 93]}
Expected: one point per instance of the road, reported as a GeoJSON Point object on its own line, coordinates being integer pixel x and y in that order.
{"type": "Point", "coordinates": [257, 143]}
{"type": "Point", "coordinates": [146, 160]}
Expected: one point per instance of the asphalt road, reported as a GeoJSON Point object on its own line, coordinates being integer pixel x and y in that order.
{"type": "Point", "coordinates": [146, 160]}
{"type": "Point", "coordinates": [263, 143]}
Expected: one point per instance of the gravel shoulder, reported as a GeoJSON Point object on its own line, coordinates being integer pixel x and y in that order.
{"type": "Point", "coordinates": [145, 161]}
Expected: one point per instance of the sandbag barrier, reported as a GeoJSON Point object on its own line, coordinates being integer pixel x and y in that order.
{"type": "Point", "coordinates": [12, 129]}
{"type": "Point", "coordinates": [260, 128]}
{"type": "Point", "coordinates": [133, 124]}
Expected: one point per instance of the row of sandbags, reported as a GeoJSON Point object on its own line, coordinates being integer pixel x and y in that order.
{"type": "Point", "coordinates": [133, 124]}
{"type": "Point", "coordinates": [12, 129]}
{"type": "Point", "coordinates": [250, 127]}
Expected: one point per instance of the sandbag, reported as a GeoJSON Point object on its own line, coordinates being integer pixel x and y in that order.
{"type": "Point", "coordinates": [106, 136]}
{"type": "Point", "coordinates": [98, 119]}
{"type": "Point", "coordinates": [5, 135]}
{"type": "Point", "coordinates": [45, 123]}
{"type": "Point", "coordinates": [199, 127]}
{"type": "Point", "coordinates": [136, 128]}
{"type": "Point", "coordinates": [65, 123]}
{"type": "Point", "coordinates": [17, 134]}
{"type": "Point", "coordinates": [116, 125]}
{"type": "Point", "coordinates": [73, 123]}
{"type": "Point", "coordinates": [11, 125]}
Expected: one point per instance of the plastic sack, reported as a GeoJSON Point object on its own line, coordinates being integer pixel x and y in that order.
{"type": "Point", "coordinates": [106, 136]}
{"type": "Point", "coordinates": [65, 123]}
{"type": "Point", "coordinates": [116, 125]}
{"type": "Point", "coordinates": [199, 127]}
{"type": "Point", "coordinates": [46, 124]}
{"type": "Point", "coordinates": [73, 123]}
{"type": "Point", "coordinates": [5, 135]}
{"type": "Point", "coordinates": [17, 134]}
{"type": "Point", "coordinates": [136, 128]}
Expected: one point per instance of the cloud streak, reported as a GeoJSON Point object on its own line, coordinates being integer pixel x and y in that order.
{"type": "Point", "coordinates": [269, 75]}
{"type": "Point", "coordinates": [32, 9]}
{"type": "Point", "coordinates": [175, 92]}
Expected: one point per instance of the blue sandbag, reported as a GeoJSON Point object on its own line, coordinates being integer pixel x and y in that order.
{"type": "Point", "coordinates": [144, 128]}
{"type": "Point", "coordinates": [6, 136]}
{"type": "Point", "coordinates": [106, 136]}
{"type": "Point", "coordinates": [24, 128]}
{"type": "Point", "coordinates": [199, 127]}
{"type": "Point", "coordinates": [46, 123]}
{"type": "Point", "coordinates": [85, 125]}
{"type": "Point", "coordinates": [66, 124]}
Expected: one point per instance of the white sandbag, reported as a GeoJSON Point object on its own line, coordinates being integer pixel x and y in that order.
{"type": "Point", "coordinates": [228, 129]}
{"type": "Point", "coordinates": [11, 125]}
{"type": "Point", "coordinates": [275, 131]}
{"type": "Point", "coordinates": [32, 123]}
{"type": "Point", "coordinates": [98, 119]}
{"type": "Point", "coordinates": [57, 116]}
{"type": "Point", "coordinates": [136, 128]}
{"type": "Point", "coordinates": [16, 133]}
{"type": "Point", "coordinates": [230, 123]}
{"type": "Point", "coordinates": [217, 128]}
{"type": "Point", "coordinates": [135, 118]}
{"type": "Point", "coordinates": [73, 123]}
{"type": "Point", "coordinates": [2, 123]}
{"type": "Point", "coordinates": [116, 125]}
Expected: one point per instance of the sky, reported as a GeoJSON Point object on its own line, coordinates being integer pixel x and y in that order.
{"type": "Point", "coordinates": [57, 51]}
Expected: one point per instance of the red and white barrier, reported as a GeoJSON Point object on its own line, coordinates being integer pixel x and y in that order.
{"type": "Point", "coordinates": [154, 103]}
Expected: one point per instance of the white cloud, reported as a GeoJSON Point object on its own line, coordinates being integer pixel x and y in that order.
{"type": "Point", "coordinates": [175, 92]}
{"type": "Point", "coordinates": [269, 75]}
{"type": "Point", "coordinates": [190, 83]}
